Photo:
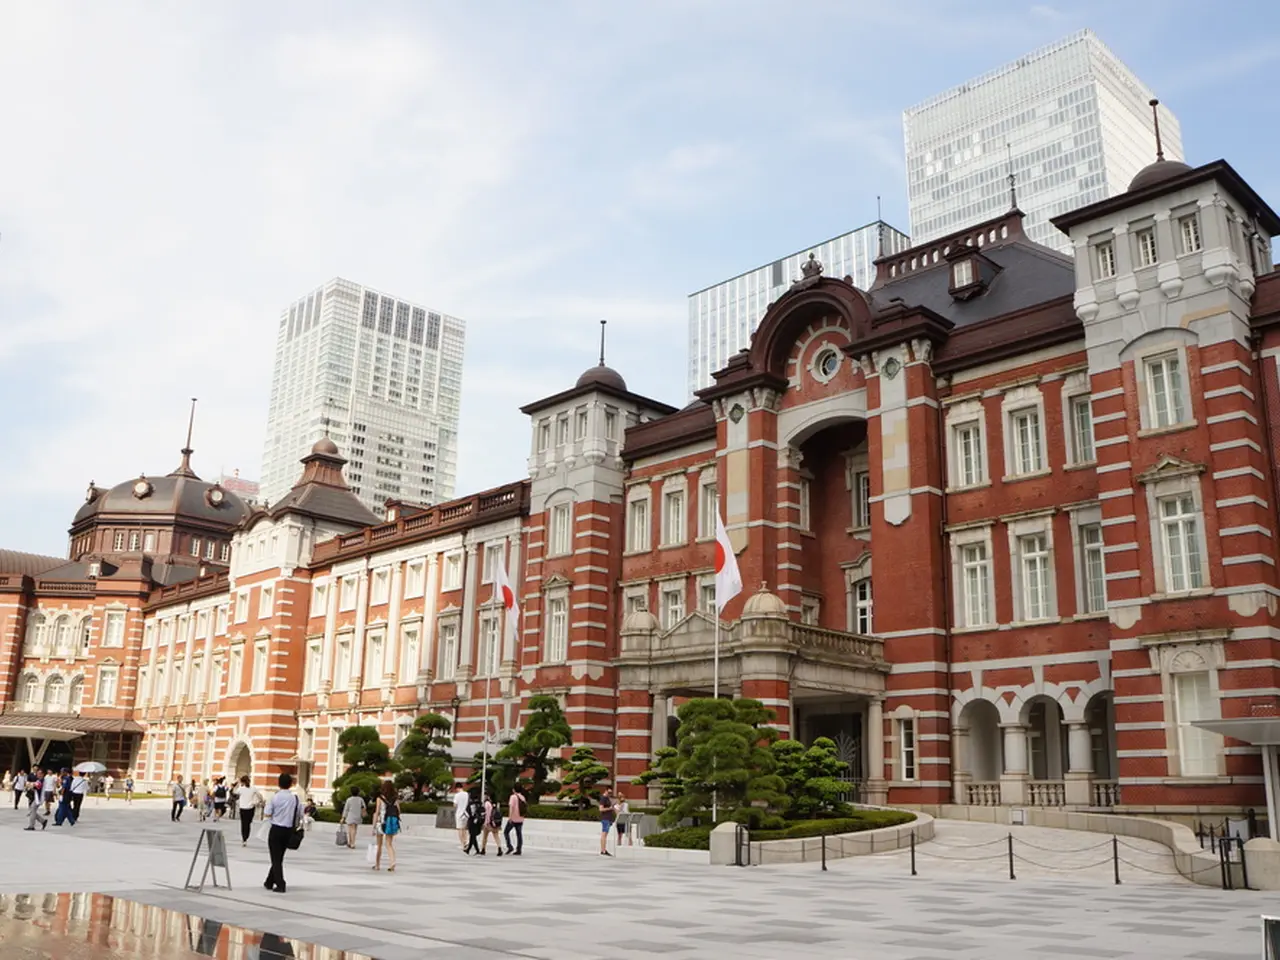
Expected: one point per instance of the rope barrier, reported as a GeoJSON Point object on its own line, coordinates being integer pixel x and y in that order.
{"type": "Point", "coordinates": [1045, 866]}
{"type": "Point", "coordinates": [1096, 846]}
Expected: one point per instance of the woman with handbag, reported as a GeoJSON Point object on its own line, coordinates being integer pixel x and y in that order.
{"type": "Point", "coordinates": [386, 824]}
{"type": "Point", "coordinates": [284, 811]}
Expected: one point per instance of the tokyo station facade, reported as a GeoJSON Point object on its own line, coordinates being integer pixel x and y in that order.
{"type": "Point", "coordinates": [1006, 523]}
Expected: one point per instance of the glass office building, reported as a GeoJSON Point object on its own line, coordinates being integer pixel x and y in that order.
{"type": "Point", "coordinates": [723, 317]}
{"type": "Point", "coordinates": [382, 377]}
{"type": "Point", "coordinates": [1073, 120]}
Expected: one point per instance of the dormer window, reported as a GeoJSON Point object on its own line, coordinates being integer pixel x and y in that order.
{"type": "Point", "coordinates": [971, 273]}
{"type": "Point", "coordinates": [961, 273]}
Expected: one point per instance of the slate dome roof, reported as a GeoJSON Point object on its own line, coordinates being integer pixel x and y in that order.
{"type": "Point", "coordinates": [180, 494]}
{"type": "Point", "coordinates": [603, 376]}
{"type": "Point", "coordinates": [1158, 172]}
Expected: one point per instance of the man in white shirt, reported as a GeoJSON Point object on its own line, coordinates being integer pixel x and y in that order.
{"type": "Point", "coordinates": [19, 787]}
{"type": "Point", "coordinates": [460, 800]}
{"type": "Point", "coordinates": [79, 787]}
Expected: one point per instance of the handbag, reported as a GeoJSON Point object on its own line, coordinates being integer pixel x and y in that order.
{"type": "Point", "coordinates": [297, 833]}
{"type": "Point", "coordinates": [341, 838]}
{"type": "Point", "coordinates": [263, 830]}
{"type": "Point", "coordinates": [371, 854]}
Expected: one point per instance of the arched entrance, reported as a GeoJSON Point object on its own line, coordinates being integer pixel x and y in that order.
{"type": "Point", "coordinates": [240, 763]}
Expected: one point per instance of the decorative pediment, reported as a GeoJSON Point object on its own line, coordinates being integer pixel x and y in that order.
{"type": "Point", "coordinates": [1169, 467]}
{"type": "Point", "coordinates": [449, 608]}
{"type": "Point", "coordinates": [696, 623]}
{"type": "Point", "coordinates": [556, 581]}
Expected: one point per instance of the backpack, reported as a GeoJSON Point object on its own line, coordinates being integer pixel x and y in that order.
{"type": "Point", "coordinates": [495, 818]}
{"type": "Point", "coordinates": [220, 793]}
{"type": "Point", "coordinates": [475, 814]}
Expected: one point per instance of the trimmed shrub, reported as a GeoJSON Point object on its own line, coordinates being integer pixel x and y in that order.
{"type": "Point", "coordinates": [327, 815]}
{"type": "Point", "coordinates": [682, 838]}
{"type": "Point", "coordinates": [419, 806]}
{"type": "Point", "coordinates": [699, 837]}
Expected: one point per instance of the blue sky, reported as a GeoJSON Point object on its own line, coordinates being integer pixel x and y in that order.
{"type": "Point", "coordinates": [173, 174]}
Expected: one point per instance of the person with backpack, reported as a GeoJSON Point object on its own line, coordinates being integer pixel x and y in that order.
{"type": "Point", "coordinates": [220, 798]}
{"type": "Point", "coordinates": [475, 823]}
{"type": "Point", "coordinates": [517, 808]}
{"type": "Point", "coordinates": [386, 824]}
{"type": "Point", "coordinates": [492, 824]}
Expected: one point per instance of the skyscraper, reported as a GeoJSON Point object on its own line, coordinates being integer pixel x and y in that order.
{"type": "Point", "coordinates": [723, 317]}
{"type": "Point", "coordinates": [382, 377]}
{"type": "Point", "coordinates": [1072, 122]}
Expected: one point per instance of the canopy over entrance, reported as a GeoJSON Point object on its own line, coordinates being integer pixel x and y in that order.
{"type": "Point", "coordinates": [1262, 732]}
{"type": "Point", "coordinates": [36, 734]}
{"type": "Point", "coordinates": [49, 728]}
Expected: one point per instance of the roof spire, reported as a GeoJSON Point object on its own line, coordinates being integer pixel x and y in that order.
{"type": "Point", "coordinates": [1155, 120]}
{"type": "Point", "coordinates": [602, 326]}
{"type": "Point", "coordinates": [1013, 180]}
{"type": "Point", "coordinates": [879, 230]}
{"type": "Point", "coordinates": [184, 468]}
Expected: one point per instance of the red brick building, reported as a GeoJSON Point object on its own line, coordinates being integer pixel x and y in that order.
{"type": "Point", "coordinates": [1006, 520]}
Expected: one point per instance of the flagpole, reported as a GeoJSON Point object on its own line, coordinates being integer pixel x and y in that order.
{"type": "Point", "coordinates": [715, 692]}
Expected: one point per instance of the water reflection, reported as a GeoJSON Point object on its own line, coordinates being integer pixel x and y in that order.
{"type": "Point", "coordinates": [97, 926]}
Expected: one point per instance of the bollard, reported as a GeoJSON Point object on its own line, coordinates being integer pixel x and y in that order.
{"type": "Point", "coordinates": [824, 850]}
{"type": "Point", "coordinates": [1011, 874]}
{"type": "Point", "coordinates": [913, 853]}
{"type": "Point", "coordinates": [1115, 857]}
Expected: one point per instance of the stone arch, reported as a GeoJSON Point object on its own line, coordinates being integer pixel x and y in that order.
{"type": "Point", "coordinates": [774, 340]}
{"type": "Point", "coordinates": [239, 760]}
{"type": "Point", "coordinates": [798, 424]}
{"type": "Point", "coordinates": [981, 719]}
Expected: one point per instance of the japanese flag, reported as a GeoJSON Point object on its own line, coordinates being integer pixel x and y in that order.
{"type": "Point", "coordinates": [728, 578]}
{"type": "Point", "coordinates": [503, 591]}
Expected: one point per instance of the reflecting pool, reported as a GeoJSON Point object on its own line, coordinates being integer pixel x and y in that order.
{"type": "Point", "coordinates": [98, 926]}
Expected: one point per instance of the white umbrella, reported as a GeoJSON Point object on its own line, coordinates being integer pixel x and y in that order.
{"type": "Point", "coordinates": [90, 766]}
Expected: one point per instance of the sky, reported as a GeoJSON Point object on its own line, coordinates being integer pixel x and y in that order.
{"type": "Point", "coordinates": [173, 174]}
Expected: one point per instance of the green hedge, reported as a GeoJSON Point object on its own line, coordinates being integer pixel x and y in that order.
{"type": "Point", "coordinates": [327, 815]}
{"type": "Point", "coordinates": [699, 838]}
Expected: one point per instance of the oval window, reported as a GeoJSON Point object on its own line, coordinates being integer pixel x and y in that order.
{"type": "Point", "coordinates": [828, 363]}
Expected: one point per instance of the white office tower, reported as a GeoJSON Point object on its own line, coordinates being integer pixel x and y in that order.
{"type": "Point", "coordinates": [383, 378]}
{"type": "Point", "coordinates": [1075, 120]}
{"type": "Point", "coordinates": [723, 317]}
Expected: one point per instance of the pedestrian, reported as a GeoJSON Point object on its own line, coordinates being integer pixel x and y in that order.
{"type": "Point", "coordinates": [608, 813]}
{"type": "Point", "coordinates": [128, 788]}
{"type": "Point", "coordinates": [624, 820]}
{"type": "Point", "coordinates": [247, 802]}
{"type": "Point", "coordinates": [353, 815]}
{"type": "Point", "coordinates": [201, 800]}
{"type": "Point", "coordinates": [19, 787]}
{"type": "Point", "coordinates": [517, 807]}
{"type": "Point", "coordinates": [179, 795]}
{"type": "Point", "coordinates": [6, 783]}
{"type": "Point", "coordinates": [34, 795]}
{"type": "Point", "coordinates": [79, 787]}
{"type": "Point", "coordinates": [49, 787]}
{"type": "Point", "coordinates": [284, 810]}
{"type": "Point", "coordinates": [65, 813]}
{"type": "Point", "coordinates": [308, 813]}
{"type": "Point", "coordinates": [460, 801]}
{"type": "Point", "coordinates": [220, 797]}
{"type": "Point", "coordinates": [386, 824]}
{"type": "Point", "coordinates": [492, 824]}
{"type": "Point", "coordinates": [475, 823]}
{"type": "Point", "coordinates": [107, 783]}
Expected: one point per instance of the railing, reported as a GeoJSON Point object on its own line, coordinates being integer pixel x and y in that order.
{"type": "Point", "coordinates": [984, 794]}
{"type": "Point", "coordinates": [1106, 793]}
{"type": "Point", "coordinates": [87, 587]}
{"type": "Point", "coordinates": [209, 583]}
{"type": "Point", "coordinates": [836, 641]}
{"type": "Point", "coordinates": [1046, 793]}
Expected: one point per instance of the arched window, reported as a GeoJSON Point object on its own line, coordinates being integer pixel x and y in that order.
{"type": "Point", "coordinates": [63, 633]}
{"type": "Point", "coordinates": [84, 635]}
{"type": "Point", "coordinates": [30, 692]}
{"type": "Point", "coordinates": [55, 694]}
{"type": "Point", "coordinates": [77, 694]}
{"type": "Point", "coordinates": [35, 633]}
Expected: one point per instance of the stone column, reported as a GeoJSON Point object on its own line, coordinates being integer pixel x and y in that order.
{"type": "Point", "coordinates": [1013, 781]}
{"type": "Point", "coordinates": [657, 740]}
{"type": "Point", "coordinates": [357, 642]}
{"type": "Point", "coordinates": [426, 641]}
{"type": "Point", "coordinates": [391, 649]}
{"type": "Point", "coordinates": [877, 786]}
{"type": "Point", "coordinates": [961, 764]}
{"type": "Point", "coordinates": [1079, 774]}
{"type": "Point", "coordinates": [467, 633]}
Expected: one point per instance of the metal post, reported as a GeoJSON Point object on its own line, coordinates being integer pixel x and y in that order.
{"type": "Point", "coordinates": [1011, 873]}
{"type": "Point", "coordinates": [715, 693]}
{"type": "Point", "coordinates": [824, 851]}
{"type": "Point", "coordinates": [913, 853]}
{"type": "Point", "coordinates": [1222, 864]}
{"type": "Point", "coordinates": [1244, 869]}
{"type": "Point", "coordinates": [1115, 857]}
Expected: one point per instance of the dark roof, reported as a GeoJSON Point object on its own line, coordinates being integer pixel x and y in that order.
{"type": "Point", "coordinates": [1158, 172]}
{"type": "Point", "coordinates": [69, 721]}
{"type": "Point", "coordinates": [31, 564]}
{"type": "Point", "coordinates": [1218, 170]}
{"type": "Point", "coordinates": [163, 574]}
{"type": "Point", "coordinates": [325, 503]}
{"type": "Point", "coordinates": [600, 374]}
{"type": "Point", "coordinates": [1030, 274]}
{"type": "Point", "coordinates": [603, 385]}
{"type": "Point", "coordinates": [180, 494]}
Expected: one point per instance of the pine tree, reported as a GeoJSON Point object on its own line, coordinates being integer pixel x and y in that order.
{"type": "Point", "coordinates": [367, 759]}
{"type": "Point", "coordinates": [425, 761]}
{"type": "Point", "coordinates": [581, 775]}
{"type": "Point", "coordinates": [544, 731]}
{"type": "Point", "coordinates": [812, 777]}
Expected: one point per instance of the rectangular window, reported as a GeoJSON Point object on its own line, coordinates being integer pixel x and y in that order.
{"type": "Point", "coordinates": [809, 610]}
{"type": "Point", "coordinates": [452, 577]}
{"type": "Point", "coordinates": [672, 606]}
{"type": "Point", "coordinates": [1189, 232]}
{"type": "Point", "coordinates": [1082, 428]}
{"type": "Point", "coordinates": [1034, 554]}
{"type": "Point", "coordinates": [708, 510]}
{"type": "Point", "coordinates": [260, 666]}
{"type": "Point", "coordinates": [342, 665]}
{"type": "Point", "coordinates": [215, 679]}
{"type": "Point", "coordinates": [544, 435]}
{"type": "Point", "coordinates": [976, 574]}
{"type": "Point", "coordinates": [144, 686]}
{"type": "Point", "coordinates": [862, 498]}
{"type": "Point", "coordinates": [113, 632]}
{"type": "Point", "coordinates": [1105, 257]}
{"type": "Point", "coordinates": [311, 676]}
{"type": "Point", "coordinates": [224, 552]}
{"type": "Point", "coordinates": [962, 273]}
{"type": "Point", "coordinates": [487, 659]}
{"type": "Point", "coordinates": [202, 624]}
{"type": "Point", "coordinates": [381, 590]}
{"type": "Point", "coordinates": [806, 506]}
{"type": "Point", "coordinates": [108, 678]}
{"type": "Point", "coordinates": [907, 749]}
{"type": "Point", "coordinates": [561, 529]}
{"type": "Point", "coordinates": [414, 579]}
{"type": "Point", "coordinates": [195, 546]}
{"type": "Point", "coordinates": [638, 532]}
{"type": "Point", "coordinates": [118, 542]}
{"type": "Point", "coordinates": [242, 606]}
{"type": "Point", "coordinates": [707, 598]}
{"type": "Point", "coordinates": [209, 547]}
{"type": "Point", "coordinates": [1181, 526]}
{"type": "Point", "coordinates": [1146, 241]}
{"type": "Point", "coordinates": [148, 542]}
{"type": "Point", "coordinates": [492, 560]}
{"type": "Point", "coordinates": [968, 446]}
{"type": "Point", "coordinates": [266, 599]}
{"type": "Point", "coordinates": [448, 637]}
{"type": "Point", "coordinates": [673, 517]}
{"type": "Point", "coordinates": [235, 672]}
{"type": "Point", "coordinates": [133, 540]}
{"type": "Point", "coordinates": [580, 425]}
{"type": "Point", "coordinates": [347, 597]}
{"type": "Point", "coordinates": [557, 630]}
{"type": "Point", "coordinates": [1164, 390]}
{"type": "Point", "coordinates": [611, 425]}
{"type": "Point", "coordinates": [1093, 572]}
{"type": "Point", "coordinates": [862, 607]}
{"type": "Point", "coordinates": [562, 430]}
{"type": "Point", "coordinates": [222, 620]}
{"type": "Point", "coordinates": [374, 645]}
{"type": "Point", "coordinates": [410, 654]}
{"type": "Point", "coordinates": [1192, 701]}
{"type": "Point", "coordinates": [197, 677]}
{"type": "Point", "coordinates": [1025, 426]}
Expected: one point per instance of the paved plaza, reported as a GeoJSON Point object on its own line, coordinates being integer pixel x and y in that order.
{"type": "Point", "coordinates": [566, 905]}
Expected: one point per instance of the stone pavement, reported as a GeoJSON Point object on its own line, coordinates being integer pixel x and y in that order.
{"type": "Point", "coordinates": [569, 906]}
